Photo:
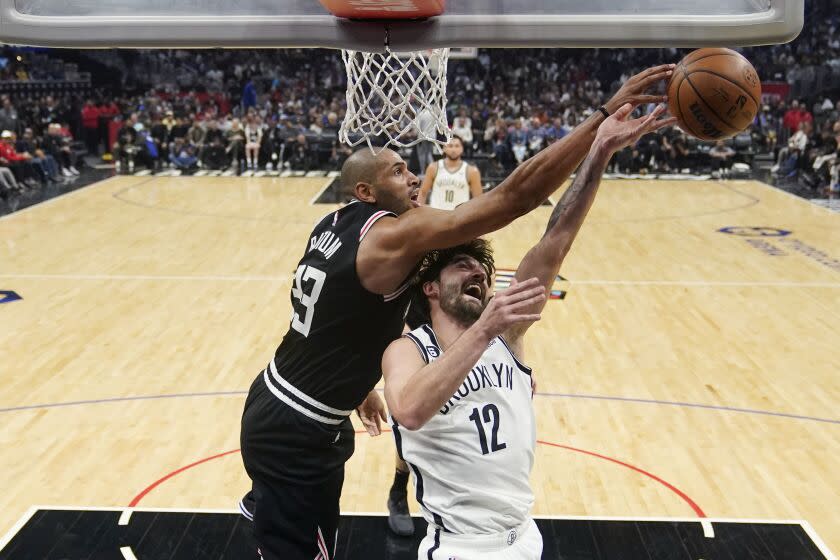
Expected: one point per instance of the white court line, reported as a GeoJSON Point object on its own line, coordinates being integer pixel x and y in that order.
{"type": "Point", "coordinates": [708, 530]}
{"type": "Point", "coordinates": [704, 283]}
{"type": "Point", "coordinates": [57, 198]}
{"type": "Point", "coordinates": [818, 541]}
{"type": "Point", "coordinates": [321, 191]}
{"type": "Point", "coordinates": [212, 278]}
{"type": "Point", "coordinates": [24, 519]}
{"type": "Point", "coordinates": [800, 199]}
{"type": "Point", "coordinates": [127, 553]}
{"type": "Point", "coordinates": [258, 278]}
{"type": "Point", "coordinates": [126, 516]}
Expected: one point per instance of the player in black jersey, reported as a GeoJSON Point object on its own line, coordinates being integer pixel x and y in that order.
{"type": "Point", "coordinates": [349, 298]}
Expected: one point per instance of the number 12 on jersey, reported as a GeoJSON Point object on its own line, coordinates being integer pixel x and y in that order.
{"type": "Point", "coordinates": [309, 300]}
{"type": "Point", "coordinates": [486, 412]}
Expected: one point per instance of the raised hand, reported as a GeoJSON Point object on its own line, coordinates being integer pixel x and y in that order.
{"type": "Point", "coordinates": [619, 131]}
{"type": "Point", "coordinates": [512, 306]}
{"type": "Point", "coordinates": [634, 90]}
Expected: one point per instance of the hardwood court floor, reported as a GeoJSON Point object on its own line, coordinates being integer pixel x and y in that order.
{"type": "Point", "coordinates": [708, 359]}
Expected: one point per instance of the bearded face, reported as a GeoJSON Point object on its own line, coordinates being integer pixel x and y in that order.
{"type": "Point", "coordinates": [464, 290]}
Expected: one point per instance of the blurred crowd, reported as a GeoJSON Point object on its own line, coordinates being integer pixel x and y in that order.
{"type": "Point", "coordinates": [281, 109]}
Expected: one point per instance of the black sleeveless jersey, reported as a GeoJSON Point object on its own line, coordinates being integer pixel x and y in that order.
{"type": "Point", "coordinates": [339, 330]}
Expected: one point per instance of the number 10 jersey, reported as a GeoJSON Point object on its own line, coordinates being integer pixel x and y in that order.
{"type": "Point", "coordinates": [332, 353]}
{"type": "Point", "coordinates": [472, 461]}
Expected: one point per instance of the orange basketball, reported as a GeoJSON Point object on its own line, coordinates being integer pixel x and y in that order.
{"type": "Point", "coordinates": [714, 93]}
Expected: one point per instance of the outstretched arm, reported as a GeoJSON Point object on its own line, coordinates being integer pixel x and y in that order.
{"type": "Point", "coordinates": [544, 259]}
{"type": "Point", "coordinates": [401, 242]}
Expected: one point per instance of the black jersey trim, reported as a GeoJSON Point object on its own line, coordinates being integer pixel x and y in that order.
{"type": "Point", "coordinates": [395, 428]}
{"type": "Point", "coordinates": [435, 546]}
{"type": "Point", "coordinates": [420, 346]}
{"type": "Point", "coordinates": [525, 369]}
{"type": "Point", "coordinates": [431, 334]}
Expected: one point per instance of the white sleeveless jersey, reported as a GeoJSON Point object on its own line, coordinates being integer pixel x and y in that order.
{"type": "Point", "coordinates": [471, 462]}
{"type": "Point", "coordinates": [450, 188]}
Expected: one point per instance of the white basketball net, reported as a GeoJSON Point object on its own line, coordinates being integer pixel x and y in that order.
{"type": "Point", "coordinates": [395, 99]}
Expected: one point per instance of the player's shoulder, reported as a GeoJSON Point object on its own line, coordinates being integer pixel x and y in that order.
{"type": "Point", "coordinates": [402, 351]}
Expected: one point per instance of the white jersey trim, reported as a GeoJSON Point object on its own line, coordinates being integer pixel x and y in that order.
{"type": "Point", "coordinates": [303, 396]}
{"type": "Point", "coordinates": [279, 394]}
{"type": "Point", "coordinates": [372, 220]}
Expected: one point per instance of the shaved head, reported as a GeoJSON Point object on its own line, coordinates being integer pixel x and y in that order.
{"type": "Point", "coordinates": [361, 167]}
{"type": "Point", "coordinates": [382, 179]}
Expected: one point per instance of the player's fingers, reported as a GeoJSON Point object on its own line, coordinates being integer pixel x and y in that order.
{"type": "Point", "coordinates": [662, 123]}
{"type": "Point", "coordinates": [529, 318]}
{"type": "Point", "coordinates": [371, 427]}
{"type": "Point", "coordinates": [657, 69]}
{"type": "Point", "coordinates": [646, 98]}
{"type": "Point", "coordinates": [656, 77]}
{"type": "Point", "coordinates": [535, 299]}
{"type": "Point", "coordinates": [519, 287]}
{"type": "Point", "coordinates": [517, 298]}
{"type": "Point", "coordinates": [383, 415]}
{"type": "Point", "coordinates": [624, 111]}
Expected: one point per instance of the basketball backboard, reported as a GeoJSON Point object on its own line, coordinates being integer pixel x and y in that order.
{"type": "Point", "coordinates": [467, 23]}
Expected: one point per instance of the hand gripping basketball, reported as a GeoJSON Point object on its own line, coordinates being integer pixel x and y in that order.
{"type": "Point", "coordinates": [634, 90]}
{"type": "Point", "coordinates": [618, 132]}
{"type": "Point", "coordinates": [512, 306]}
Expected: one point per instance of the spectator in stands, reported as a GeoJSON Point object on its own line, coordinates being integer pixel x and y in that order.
{"type": "Point", "coordinates": [8, 184]}
{"type": "Point", "coordinates": [236, 144]}
{"type": "Point", "coordinates": [20, 164]}
{"type": "Point", "coordinates": [45, 165]}
{"type": "Point", "coordinates": [90, 126]}
{"type": "Point", "coordinates": [125, 148]}
{"type": "Point", "coordinates": [169, 120]}
{"type": "Point", "coordinates": [796, 115]}
{"type": "Point", "coordinates": [300, 159]}
{"type": "Point", "coordinates": [195, 136]}
{"type": "Point", "coordinates": [462, 127]}
{"type": "Point", "coordinates": [213, 156]}
{"type": "Point", "coordinates": [179, 129]}
{"type": "Point", "coordinates": [249, 95]}
{"type": "Point", "coordinates": [339, 154]}
{"type": "Point", "coordinates": [722, 158]}
{"type": "Point", "coordinates": [9, 116]}
{"type": "Point", "coordinates": [182, 155]}
{"type": "Point", "coordinates": [253, 139]}
{"type": "Point", "coordinates": [159, 134]}
{"type": "Point", "coordinates": [791, 158]}
{"type": "Point", "coordinates": [675, 150]}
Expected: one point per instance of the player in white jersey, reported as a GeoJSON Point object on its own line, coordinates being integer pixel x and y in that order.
{"type": "Point", "coordinates": [458, 391]}
{"type": "Point", "coordinates": [450, 181]}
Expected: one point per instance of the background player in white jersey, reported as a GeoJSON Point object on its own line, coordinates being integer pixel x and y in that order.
{"type": "Point", "coordinates": [458, 392]}
{"type": "Point", "coordinates": [450, 181]}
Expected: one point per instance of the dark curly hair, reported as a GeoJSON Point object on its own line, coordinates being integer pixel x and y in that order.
{"type": "Point", "coordinates": [434, 262]}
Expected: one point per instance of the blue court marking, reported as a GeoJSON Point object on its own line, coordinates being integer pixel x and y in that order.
{"type": "Point", "coordinates": [550, 395]}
